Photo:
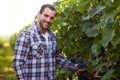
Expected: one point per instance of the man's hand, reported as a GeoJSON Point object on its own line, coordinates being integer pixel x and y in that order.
{"type": "Point", "coordinates": [79, 71]}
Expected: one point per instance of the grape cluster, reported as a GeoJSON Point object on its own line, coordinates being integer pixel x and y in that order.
{"type": "Point", "coordinates": [83, 75]}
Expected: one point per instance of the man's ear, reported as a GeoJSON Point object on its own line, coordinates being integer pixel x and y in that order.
{"type": "Point", "coordinates": [38, 13]}
{"type": "Point", "coordinates": [38, 16]}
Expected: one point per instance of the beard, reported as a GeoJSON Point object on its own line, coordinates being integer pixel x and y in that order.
{"type": "Point", "coordinates": [42, 24]}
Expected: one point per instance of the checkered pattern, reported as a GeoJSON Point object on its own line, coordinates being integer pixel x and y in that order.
{"type": "Point", "coordinates": [33, 59]}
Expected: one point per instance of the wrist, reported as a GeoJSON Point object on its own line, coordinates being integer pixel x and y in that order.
{"type": "Point", "coordinates": [75, 68]}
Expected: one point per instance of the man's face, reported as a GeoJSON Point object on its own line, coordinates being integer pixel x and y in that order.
{"type": "Point", "coordinates": [46, 18]}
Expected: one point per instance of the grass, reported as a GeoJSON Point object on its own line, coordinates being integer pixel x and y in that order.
{"type": "Point", "coordinates": [6, 58]}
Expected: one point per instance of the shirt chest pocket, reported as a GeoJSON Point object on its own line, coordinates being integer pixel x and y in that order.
{"type": "Point", "coordinates": [37, 50]}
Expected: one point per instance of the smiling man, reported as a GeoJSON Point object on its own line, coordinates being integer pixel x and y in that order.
{"type": "Point", "coordinates": [36, 51]}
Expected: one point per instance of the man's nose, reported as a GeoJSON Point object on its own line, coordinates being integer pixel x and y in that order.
{"type": "Point", "coordinates": [48, 19]}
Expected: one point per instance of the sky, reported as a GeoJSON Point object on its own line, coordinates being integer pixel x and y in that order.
{"type": "Point", "coordinates": [15, 14]}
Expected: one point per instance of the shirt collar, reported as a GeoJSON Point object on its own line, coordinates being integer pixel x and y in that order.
{"type": "Point", "coordinates": [39, 31]}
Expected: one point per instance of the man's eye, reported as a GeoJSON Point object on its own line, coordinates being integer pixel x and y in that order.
{"type": "Point", "coordinates": [46, 15]}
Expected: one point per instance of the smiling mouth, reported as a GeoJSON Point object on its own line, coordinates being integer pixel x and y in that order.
{"type": "Point", "coordinates": [47, 24]}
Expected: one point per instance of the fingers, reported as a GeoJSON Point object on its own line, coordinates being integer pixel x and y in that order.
{"type": "Point", "coordinates": [79, 71]}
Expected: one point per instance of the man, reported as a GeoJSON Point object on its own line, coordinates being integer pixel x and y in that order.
{"type": "Point", "coordinates": [36, 52]}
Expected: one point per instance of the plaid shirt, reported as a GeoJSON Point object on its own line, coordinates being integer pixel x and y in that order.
{"type": "Point", "coordinates": [34, 60]}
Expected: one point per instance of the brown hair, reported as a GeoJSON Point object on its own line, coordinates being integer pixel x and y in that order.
{"type": "Point", "coordinates": [47, 6]}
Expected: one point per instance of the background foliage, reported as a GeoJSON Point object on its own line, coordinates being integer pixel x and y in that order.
{"type": "Point", "coordinates": [6, 57]}
{"type": "Point", "coordinates": [87, 26]}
